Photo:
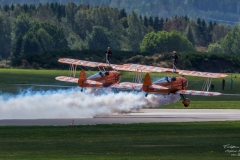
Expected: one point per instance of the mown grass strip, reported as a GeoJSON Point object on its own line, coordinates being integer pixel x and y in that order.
{"type": "Point", "coordinates": [26, 76]}
{"type": "Point", "coordinates": [205, 104]}
{"type": "Point", "coordinates": [195, 140]}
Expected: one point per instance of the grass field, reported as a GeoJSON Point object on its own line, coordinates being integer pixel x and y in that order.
{"type": "Point", "coordinates": [196, 140]}
{"type": "Point", "coordinates": [47, 77]}
{"type": "Point", "coordinates": [30, 76]}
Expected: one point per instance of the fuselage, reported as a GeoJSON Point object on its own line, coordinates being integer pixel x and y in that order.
{"type": "Point", "coordinates": [173, 84]}
{"type": "Point", "coordinates": [164, 85]}
{"type": "Point", "coordinates": [106, 78]}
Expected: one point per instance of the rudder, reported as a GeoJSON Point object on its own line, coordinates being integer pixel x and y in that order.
{"type": "Point", "coordinates": [82, 78]}
{"type": "Point", "coordinates": [147, 82]}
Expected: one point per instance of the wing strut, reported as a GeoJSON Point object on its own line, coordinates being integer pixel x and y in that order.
{"type": "Point", "coordinates": [72, 70]}
{"type": "Point", "coordinates": [138, 76]}
{"type": "Point", "coordinates": [206, 84]}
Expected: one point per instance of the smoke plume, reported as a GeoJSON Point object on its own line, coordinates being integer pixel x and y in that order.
{"type": "Point", "coordinates": [72, 103]}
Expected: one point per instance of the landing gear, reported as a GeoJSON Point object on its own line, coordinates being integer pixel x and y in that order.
{"type": "Point", "coordinates": [81, 89]}
{"type": "Point", "coordinates": [146, 94]}
{"type": "Point", "coordinates": [115, 90]}
{"type": "Point", "coordinates": [186, 101]}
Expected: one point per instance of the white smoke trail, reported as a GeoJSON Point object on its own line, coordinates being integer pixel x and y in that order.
{"type": "Point", "coordinates": [156, 100]}
{"type": "Point", "coordinates": [72, 103]}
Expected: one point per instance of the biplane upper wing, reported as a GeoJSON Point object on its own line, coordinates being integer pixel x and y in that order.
{"type": "Point", "coordinates": [145, 68]}
{"type": "Point", "coordinates": [198, 93]}
{"type": "Point", "coordinates": [140, 68]}
{"type": "Point", "coordinates": [87, 63]}
{"type": "Point", "coordinates": [201, 74]}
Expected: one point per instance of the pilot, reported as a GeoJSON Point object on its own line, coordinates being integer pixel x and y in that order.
{"type": "Point", "coordinates": [108, 55]}
{"type": "Point", "coordinates": [101, 74]}
{"type": "Point", "coordinates": [173, 79]}
{"type": "Point", "coordinates": [174, 60]}
{"type": "Point", "coordinates": [167, 79]}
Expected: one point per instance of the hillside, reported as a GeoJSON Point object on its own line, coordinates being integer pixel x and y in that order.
{"type": "Point", "coordinates": [207, 9]}
{"type": "Point", "coordinates": [34, 35]}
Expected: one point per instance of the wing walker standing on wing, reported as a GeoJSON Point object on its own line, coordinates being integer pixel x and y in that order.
{"type": "Point", "coordinates": [174, 60]}
{"type": "Point", "coordinates": [108, 55]}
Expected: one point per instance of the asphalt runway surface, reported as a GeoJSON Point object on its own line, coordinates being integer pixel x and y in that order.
{"type": "Point", "coordinates": [141, 116]}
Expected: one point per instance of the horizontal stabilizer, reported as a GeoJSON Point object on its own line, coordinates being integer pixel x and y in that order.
{"type": "Point", "coordinates": [198, 93]}
{"type": "Point", "coordinates": [67, 79]}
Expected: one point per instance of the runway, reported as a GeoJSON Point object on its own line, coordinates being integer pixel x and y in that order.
{"type": "Point", "coordinates": [141, 116]}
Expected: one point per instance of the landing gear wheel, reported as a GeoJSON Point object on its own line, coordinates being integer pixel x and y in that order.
{"type": "Point", "coordinates": [146, 94]}
{"type": "Point", "coordinates": [186, 102]}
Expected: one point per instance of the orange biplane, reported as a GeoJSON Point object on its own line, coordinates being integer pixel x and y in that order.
{"type": "Point", "coordinates": [103, 78]}
{"type": "Point", "coordinates": [166, 85]}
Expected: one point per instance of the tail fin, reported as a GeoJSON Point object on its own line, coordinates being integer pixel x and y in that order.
{"type": "Point", "coordinates": [82, 78]}
{"type": "Point", "coordinates": [147, 82]}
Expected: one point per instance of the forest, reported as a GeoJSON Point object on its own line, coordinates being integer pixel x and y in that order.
{"type": "Point", "coordinates": [222, 11]}
{"type": "Point", "coordinates": [49, 27]}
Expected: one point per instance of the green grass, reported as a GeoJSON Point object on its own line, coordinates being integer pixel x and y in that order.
{"type": "Point", "coordinates": [11, 78]}
{"type": "Point", "coordinates": [205, 105]}
{"type": "Point", "coordinates": [30, 76]}
{"type": "Point", "coordinates": [196, 140]}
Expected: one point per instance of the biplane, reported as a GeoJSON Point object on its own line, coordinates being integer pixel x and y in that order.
{"type": "Point", "coordinates": [168, 84]}
{"type": "Point", "coordinates": [103, 78]}
{"type": "Point", "coordinates": [165, 85]}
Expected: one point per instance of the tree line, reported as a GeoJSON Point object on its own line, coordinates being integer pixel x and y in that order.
{"type": "Point", "coordinates": [27, 29]}
{"type": "Point", "coordinates": [226, 10]}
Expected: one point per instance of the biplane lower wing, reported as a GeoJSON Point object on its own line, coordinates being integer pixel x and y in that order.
{"type": "Point", "coordinates": [75, 80]}
{"type": "Point", "coordinates": [67, 79]}
{"type": "Point", "coordinates": [198, 93]}
{"type": "Point", "coordinates": [128, 86]}
{"type": "Point", "coordinates": [145, 68]}
{"type": "Point", "coordinates": [136, 86]}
